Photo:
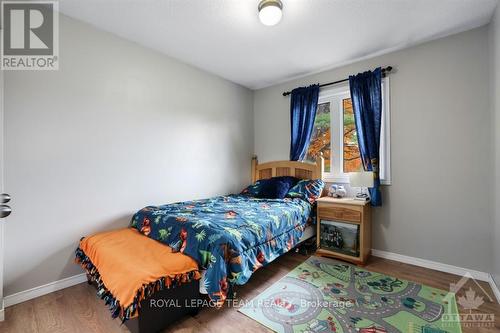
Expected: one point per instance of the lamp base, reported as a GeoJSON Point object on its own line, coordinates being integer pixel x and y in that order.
{"type": "Point", "coordinates": [362, 197]}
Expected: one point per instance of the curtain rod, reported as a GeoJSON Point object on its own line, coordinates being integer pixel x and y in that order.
{"type": "Point", "coordinates": [385, 71]}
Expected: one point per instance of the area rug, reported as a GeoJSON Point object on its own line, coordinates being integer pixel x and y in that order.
{"type": "Point", "coordinates": [325, 295]}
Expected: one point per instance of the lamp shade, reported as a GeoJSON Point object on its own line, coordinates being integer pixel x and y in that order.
{"type": "Point", "coordinates": [361, 179]}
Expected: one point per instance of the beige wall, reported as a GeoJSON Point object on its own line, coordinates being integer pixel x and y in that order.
{"type": "Point", "coordinates": [436, 207]}
{"type": "Point", "coordinates": [495, 89]}
{"type": "Point", "coordinates": [117, 128]}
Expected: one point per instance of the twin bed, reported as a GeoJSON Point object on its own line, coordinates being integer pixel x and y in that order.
{"type": "Point", "coordinates": [228, 237]}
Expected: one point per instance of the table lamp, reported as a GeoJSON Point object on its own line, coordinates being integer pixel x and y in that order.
{"type": "Point", "coordinates": [361, 180]}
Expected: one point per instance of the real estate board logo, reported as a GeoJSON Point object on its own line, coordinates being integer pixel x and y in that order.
{"type": "Point", "coordinates": [470, 295]}
{"type": "Point", "coordinates": [30, 35]}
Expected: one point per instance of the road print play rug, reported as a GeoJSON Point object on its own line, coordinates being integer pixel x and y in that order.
{"type": "Point", "coordinates": [325, 295]}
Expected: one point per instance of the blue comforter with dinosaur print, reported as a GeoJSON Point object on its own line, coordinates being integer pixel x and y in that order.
{"type": "Point", "coordinates": [229, 236]}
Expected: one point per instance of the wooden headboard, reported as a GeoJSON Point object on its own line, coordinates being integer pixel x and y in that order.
{"type": "Point", "coordinates": [302, 170]}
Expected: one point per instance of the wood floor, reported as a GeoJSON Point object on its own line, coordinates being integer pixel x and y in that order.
{"type": "Point", "coordinates": [77, 309]}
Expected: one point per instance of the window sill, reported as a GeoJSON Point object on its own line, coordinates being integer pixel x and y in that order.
{"type": "Point", "coordinates": [345, 180]}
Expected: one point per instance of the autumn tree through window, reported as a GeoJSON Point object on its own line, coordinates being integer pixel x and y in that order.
{"type": "Point", "coordinates": [335, 135]}
{"type": "Point", "coordinates": [352, 158]}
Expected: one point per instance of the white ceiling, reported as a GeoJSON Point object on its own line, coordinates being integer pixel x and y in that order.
{"type": "Point", "coordinates": [225, 37]}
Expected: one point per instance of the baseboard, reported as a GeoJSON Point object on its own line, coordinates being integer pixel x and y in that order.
{"type": "Point", "coordinates": [478, 275]}
{"type": "Point", "coordinates": [48, 288]}
{"type": "Point", "coordinates": [2, 315]}
{"type": "Point", "coordinates": [437, 266]}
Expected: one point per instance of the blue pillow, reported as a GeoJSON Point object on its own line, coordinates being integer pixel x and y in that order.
{"type": "Point", "coordinates": [255, 189]}
{"type": "Point", "coordinates": [292, 181]}
{"type": "Point", "coordinates": [274, 189]}
{"type": "Point", "coordinates": [309, 190]}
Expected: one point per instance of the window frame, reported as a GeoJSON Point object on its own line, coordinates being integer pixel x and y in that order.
{"type": "Point", "coordinates": [335, 96]}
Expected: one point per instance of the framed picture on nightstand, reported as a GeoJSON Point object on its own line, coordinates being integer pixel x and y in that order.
{"type": "Point", "coordinates": [341, 237]}
{"type": "Point", "coordinates": [344, 229]}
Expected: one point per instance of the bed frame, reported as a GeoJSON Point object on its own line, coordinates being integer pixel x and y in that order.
{"type": "Point", "coordinates": [302, 170]}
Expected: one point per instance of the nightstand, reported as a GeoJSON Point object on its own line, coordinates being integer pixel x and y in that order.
{"type": "Point", "coordinates": [344, 229]}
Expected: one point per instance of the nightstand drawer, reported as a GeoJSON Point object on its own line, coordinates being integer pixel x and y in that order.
{"type": "Point", "coordinates": [340, 213]}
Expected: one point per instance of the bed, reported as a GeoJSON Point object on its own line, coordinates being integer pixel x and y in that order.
{"type": "Point", "coordinates": [231, 236]}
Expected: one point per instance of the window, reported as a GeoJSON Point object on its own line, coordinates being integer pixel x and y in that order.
{"type": "Point", "coordinates": [335, 136]}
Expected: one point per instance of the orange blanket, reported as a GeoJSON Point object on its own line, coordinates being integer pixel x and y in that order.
{"type": "Point", "coordinates": [129, 267]}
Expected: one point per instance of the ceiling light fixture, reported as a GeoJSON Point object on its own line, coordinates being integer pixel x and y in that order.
{"type": "Point", "coordinates": [270, 12]}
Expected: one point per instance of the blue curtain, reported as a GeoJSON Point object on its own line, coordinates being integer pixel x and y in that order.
{"type": "Point", "coordinates": [303, 105]}
{"type": "Point", "coordinates": [366, 95]}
